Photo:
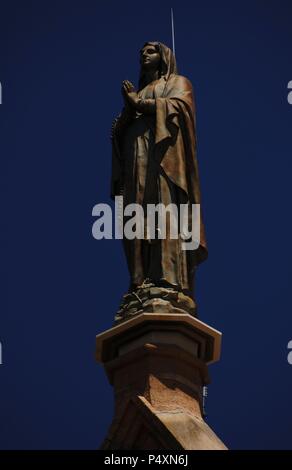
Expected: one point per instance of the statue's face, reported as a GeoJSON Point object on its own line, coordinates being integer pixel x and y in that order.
{"type": "Point", "coordinates": [149, 57]}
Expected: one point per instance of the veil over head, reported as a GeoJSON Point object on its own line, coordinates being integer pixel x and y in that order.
{"type": "Point", "coordinates": [167, 63]}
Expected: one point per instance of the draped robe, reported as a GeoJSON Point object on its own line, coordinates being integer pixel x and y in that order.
{"type": "Point", "coordinates": [155, 161]}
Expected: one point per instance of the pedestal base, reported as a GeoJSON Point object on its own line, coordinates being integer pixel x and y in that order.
{"type": "Point", "coordinates": [157, 364]}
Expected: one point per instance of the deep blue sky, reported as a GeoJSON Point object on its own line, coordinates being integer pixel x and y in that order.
{"type": "Point", "coordinates": [61, 65]}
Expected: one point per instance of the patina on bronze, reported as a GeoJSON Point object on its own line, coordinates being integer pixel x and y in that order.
{"type": "Point", "coordinates": [155, 161]}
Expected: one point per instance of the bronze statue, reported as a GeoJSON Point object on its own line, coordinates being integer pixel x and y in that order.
{"type": "Point", "coordinates": [155, 161]}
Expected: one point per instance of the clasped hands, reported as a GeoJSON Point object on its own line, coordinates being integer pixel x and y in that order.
{"type": "Point", "coordinates": [132, 103]}
{"type": "Point", "coordinates": [129, 94]}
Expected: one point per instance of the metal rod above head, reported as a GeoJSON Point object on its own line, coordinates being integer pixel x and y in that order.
{"type": "Point", "coordinates": [172, 31]}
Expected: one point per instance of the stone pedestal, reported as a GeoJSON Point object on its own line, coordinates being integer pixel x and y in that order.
{"type": "Point", "coordinates": [157, 364]}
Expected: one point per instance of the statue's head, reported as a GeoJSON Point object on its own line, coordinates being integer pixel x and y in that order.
{"type": "Point", "coordinates": [150, 57]}
{"type": "Point", "coordinates": [156, 56]}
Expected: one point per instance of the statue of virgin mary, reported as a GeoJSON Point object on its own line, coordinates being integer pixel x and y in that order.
{"type": "Point", "coordinates": [155, 161]}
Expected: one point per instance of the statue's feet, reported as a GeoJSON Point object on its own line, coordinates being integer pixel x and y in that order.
{"type": "Point", "coordinates": [154, 299]}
